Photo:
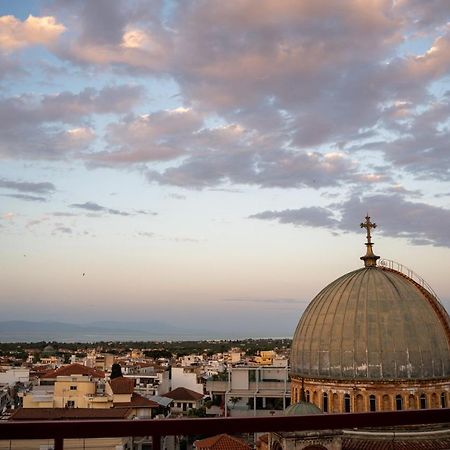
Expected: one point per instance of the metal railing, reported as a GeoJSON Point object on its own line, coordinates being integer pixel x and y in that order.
{"type": "Point", "coordinates": [70, 429]}
{"type": "Point", "coordinates": [394, 265]}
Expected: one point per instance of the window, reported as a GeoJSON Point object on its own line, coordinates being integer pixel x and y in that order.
{"type": "Point", "coordinates": [443, 400]}
{"type": "Point", "coordinates": [73, 388]}
{"type": "Point", "coordinates": [179, 405]}
{"type": "Point", "coordinates": [307, 396]}
{"type": "Point", "coordinates": [70, 404]}
{"type": "Point", "coordinates": [325, 402]}
{"type": "Point", "coordinates": [423, 401]}
{"type": "Point", "coordinates": [398, 402]}
{"type": "Point", "coordinates": [372, 403]}
{"type": "Point", "coordinates": [347, 406]}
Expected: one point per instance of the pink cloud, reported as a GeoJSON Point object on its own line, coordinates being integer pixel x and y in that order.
{"type": "Point", "coordinates": [15, 34]}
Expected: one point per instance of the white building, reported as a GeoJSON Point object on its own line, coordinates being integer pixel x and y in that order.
{"type": "Point", "coordinates": [187, 378]}
{"type": "Point", "coordinates": [252, 391]}
{"type": "Point", "coordinates": [14, 375]}
{"type": "Point", "coordinates": [150, 382]}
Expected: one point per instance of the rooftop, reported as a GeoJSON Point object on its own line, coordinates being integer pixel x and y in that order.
{"type": "Point", "coordinates": [74, 369]}
{"type": "Point", "coordinates": [182, 393]}
{"type": "Point", "coordinates": [221, 442]}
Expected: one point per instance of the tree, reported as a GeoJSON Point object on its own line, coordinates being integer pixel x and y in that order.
{"type": "Point", "coordinates": [234, 400]}
{"type": "Point", "coordinates": [116, 371]}
{"type": "Point", "coordinates": [197, 412]}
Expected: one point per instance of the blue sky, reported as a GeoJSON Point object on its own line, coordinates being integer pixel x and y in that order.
{"type": "Point", "coordinates": [210, 161]}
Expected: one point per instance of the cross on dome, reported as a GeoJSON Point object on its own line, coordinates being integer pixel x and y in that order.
{"type": "Point", "coordinates": [368, 225]}
{"type": "Point", "coordinates": [370, 259]}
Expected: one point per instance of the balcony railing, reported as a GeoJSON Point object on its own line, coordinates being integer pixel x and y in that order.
{"type": "Point", "coordinates": [71, 429]}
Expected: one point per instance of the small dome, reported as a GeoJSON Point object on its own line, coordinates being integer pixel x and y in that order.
{"type": "Point", "coordinates": [48, 350]}
{"type": "Point", "coordinates": [302, 408]}
{"type": "Point", "coordinates": [370, 324]}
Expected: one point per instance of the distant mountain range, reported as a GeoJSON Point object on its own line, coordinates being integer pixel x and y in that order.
{"type": "Point", "coordinates": [28, 331]}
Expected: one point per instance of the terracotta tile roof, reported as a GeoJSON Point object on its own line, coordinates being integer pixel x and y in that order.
{"type": "Point", "coordinates": [264, 438]}
{"type": "Point", "coordinates": [221, 442]}
{"type": "Point", "coordinates": [70, 413]}
{"type": "Point", "coordinates": [137, 401]}
{"type": "Point", "coordinates": [74, 369]}
{"type": "Point", "coordinates": [122, 385]}
{"type": "Point", "coordinates": [182, 393]}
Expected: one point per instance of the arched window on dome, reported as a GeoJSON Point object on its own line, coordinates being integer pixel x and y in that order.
{"type": "Point", "coordinates": [398, 402]}
{"type": "Point", "coordinates": [325, 402]}
{"type": "Point", "coordinates": [347, 404]}
{"type": "Point", "coordinates": [307, 396]}
{"type": "Point", "coordinates": [443, 400]}
{"type": "Point", "coordinates": [372, 403]}
{"type": "Point", "coordinates": [423, 401]}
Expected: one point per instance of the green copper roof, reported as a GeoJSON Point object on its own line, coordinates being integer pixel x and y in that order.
{"type": "Point", "coordinates": [302, 408]}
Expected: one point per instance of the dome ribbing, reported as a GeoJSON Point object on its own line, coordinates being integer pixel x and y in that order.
{"type": "Point", "coordinates": [372, 324]}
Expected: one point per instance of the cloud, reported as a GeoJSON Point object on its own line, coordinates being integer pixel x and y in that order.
{"type": "Point", "coordinates": [121, 34]}
{"type": "Point", "coordinates": [148, 234]}
{"type": "Point", "coordinates": [177, 196]}
{"type": "Point", "coordinates": [313, 216]}
{"type": "Point", "coordinates": [26, 186]}
{"type": "Point", "coordinates": [31, 198]}
{"type": "Point", "coordinates": [292, 77]}
{"type": "Point", "coordinates": [94, 207]}
{"type": "Point", "coordinates": [15, 34]}
{"type": "Point", "coordinates": [158, 136]}
{"type": "Point", "coordinates": [63, 214]}
{"type": "Point", "coordinates": [62, 230]}
{"type": "Point", "coordinates": [248, 164]}
{"type": "Point", "coordinates": [424, 16]}
{"type": "Point", "coordinates": [285, 95]}
{"type": "Point", "coordinates": [420, 143]}
{"type": "Point", "coordinates": [42, 127]}
{"type": "Point", "coordinates": [11, 67]}
{"type": "Point", "coordinates": [145, 212]}
{"type": "Point", "coordinates": [34, 222]}
{"type": "Point", "coordinates": [418, 222]}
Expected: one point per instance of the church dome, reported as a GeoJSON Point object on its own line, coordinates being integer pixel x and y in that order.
{"type": "Point", "coordinates": [302, 408]}
{"type": "Point", "coordinates": [374, 323]}
{"type": "Point", "coordinates": [48, 350]}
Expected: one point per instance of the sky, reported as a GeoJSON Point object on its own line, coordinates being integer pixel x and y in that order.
{"type": "Point", "coordinates": [208, 163]}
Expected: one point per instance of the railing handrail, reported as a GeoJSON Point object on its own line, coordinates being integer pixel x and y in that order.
{"type": "Point", "coordinates": [394, 265]}
{"type": "Point", "coordinates": [67, 429]}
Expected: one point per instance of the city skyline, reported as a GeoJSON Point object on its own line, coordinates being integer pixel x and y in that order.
{"type": "Point", "coordinates": [210, 163]}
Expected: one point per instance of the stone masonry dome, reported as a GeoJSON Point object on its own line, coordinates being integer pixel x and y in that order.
{"type": "Point", "coordinates": [375, 323]}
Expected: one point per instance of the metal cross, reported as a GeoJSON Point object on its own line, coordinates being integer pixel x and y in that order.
{"type": "Point", "coordinates": [368, 225]}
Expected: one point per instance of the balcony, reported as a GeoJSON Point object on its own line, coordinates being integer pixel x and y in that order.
{"type": "Point", "coordinates": [356, 423]}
